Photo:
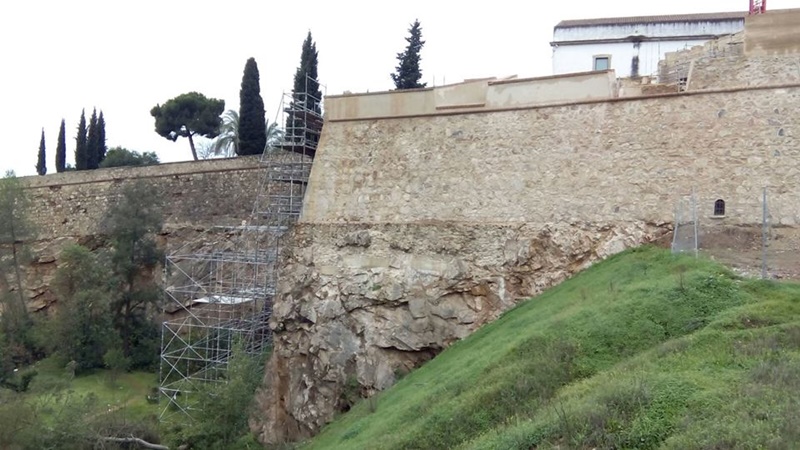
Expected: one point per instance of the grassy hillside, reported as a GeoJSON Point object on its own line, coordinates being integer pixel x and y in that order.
{"type": "Point", "coordinates": [644, 350]}
{"type": "Point", "coordinates": [59, 411]}
{"type": "Point", "coordinates": [126, 390]}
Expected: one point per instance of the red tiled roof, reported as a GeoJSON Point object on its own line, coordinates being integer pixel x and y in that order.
{"type": "Point", "coordinates": [705, 17]}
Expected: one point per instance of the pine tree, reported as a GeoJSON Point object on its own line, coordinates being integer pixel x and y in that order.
{"type": "Point", "coordinates": [252, 127]}
{"type": "Point", "coordinates": [92, 143]}
{"type": "Point", "coordinates": [61, 149]}
{"type": "Point", "coordinates": [41, 165]}
{"type": "Point", "coordinates": [81, 155]}
{"type": "Point", "coordinates": [188, 115]}
{"type": "Point", "coordinates": [408, 72]}
{"type": "Point", "coordinates": [306, 95]}
{"type": "Point", "coordinates": [101, 139]}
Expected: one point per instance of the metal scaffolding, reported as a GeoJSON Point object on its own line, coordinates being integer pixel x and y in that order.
{"type": "Point", "coordinates": [220, 296]}
{"type": "Point", "coordinates": [685, 236]}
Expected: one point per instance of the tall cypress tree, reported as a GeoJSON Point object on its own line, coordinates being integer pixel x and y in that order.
{"type": "Point", "coordinates": [408, 72]}
{"type": "Point", "coordinates": [92, 143]}
{"type": "Point", "coordinates": [307, 96]}
{"type": "Point", "coordinates": [252, 126]}
{"type": "Point", "coordinates": [41, 165]}
{"type": "Point", "coordinates": [101, 139]}
{"type": "Point", "coordinates": [61, 149]}
{"type": "Point", "coordinates": [81, 156]}
{"type": "Point", "coordinates": [305, 78]}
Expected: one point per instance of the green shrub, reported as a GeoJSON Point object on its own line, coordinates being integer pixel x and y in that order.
{"type": "Point", "coordinates": [118, 156]}
{"type": "Point", "coordinates": [224, 407]}
{"type": "Point", "coordinates": [20, 381]}
{"type": "Point", "coordinates": [116, 361]}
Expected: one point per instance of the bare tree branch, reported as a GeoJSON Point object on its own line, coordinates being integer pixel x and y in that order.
{"type": "Point", "coordinates": [135, 440]}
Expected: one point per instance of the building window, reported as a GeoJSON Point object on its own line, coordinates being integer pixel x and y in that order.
{"type": "Point", "coordinates": [602, 62]}
{"type": "Point", "coordinates": [719, 207]}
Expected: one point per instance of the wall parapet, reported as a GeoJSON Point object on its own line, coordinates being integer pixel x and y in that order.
{"type": "Point", "coordinates": [483, 95]}
{"type": "Point", "coordinates": [142, 172]}
{"type": "Point", "coordinates": [774, 33]}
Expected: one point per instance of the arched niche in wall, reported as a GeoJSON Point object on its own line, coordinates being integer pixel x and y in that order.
{"type": "Point", "coordinates": [719, 207]}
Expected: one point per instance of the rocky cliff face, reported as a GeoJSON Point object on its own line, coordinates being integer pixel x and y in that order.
{"type": "Point", "coordinates": [359, 305]}
{"type": "Point", "coordinates": [42, 258]}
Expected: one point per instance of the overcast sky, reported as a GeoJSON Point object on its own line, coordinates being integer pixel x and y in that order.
{"type": "Point", "coordinates": [124, 57]}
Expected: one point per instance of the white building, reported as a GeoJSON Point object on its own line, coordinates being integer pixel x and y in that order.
{"type": "Point", "coordinates": [632, 46]}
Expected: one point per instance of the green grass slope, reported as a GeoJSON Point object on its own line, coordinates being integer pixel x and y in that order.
{"type": "Point", "coordinates": [644, 350]}
{"type": "Point", "coordinates": [60, 411]}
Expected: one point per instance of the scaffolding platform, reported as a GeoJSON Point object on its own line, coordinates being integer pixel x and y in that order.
{"type": "Point", "coordinates": [221, 298]}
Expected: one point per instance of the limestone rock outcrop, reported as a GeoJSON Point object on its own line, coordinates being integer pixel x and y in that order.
{"type": "Point", "coordinates": [359, 305]}
{"type": "Point", "coordinates": [42, 258]}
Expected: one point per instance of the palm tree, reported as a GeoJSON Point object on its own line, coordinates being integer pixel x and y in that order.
{"type": "Point", "coordinates": [274, 135]}
{"type": "Point", "coordinates": [226, 144]}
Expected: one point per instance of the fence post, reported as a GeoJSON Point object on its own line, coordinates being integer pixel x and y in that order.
{"type": "Point", "coordinates": [694, 221]}
{"type": "Point", "coordinates": [764, 236]}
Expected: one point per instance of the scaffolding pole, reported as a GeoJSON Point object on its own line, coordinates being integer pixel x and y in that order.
{"type": "Point", "coordinates": [221, 297]}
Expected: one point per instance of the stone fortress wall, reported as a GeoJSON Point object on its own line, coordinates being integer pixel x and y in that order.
{"type": "Point", "coordinates": [574, 152]}
{"type": "Point", "coordinates": [586, 154]}
{"type": "Point", "coordinates": [430, 212]}
{"type": "Point", "coordinates": [197, 194]}
{"type": "Point", "coordinates": [766, 53]}
{"type": "Point", "coordinates": [617, 160]}
{"type": "Point", "coordinates": [72, 204]}
{"type": "Point", "coordinates": [572, 134]}
{"type": "Point", "coordinates": [423, 221]}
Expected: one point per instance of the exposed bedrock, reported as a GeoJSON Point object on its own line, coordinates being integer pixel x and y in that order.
{"type": "Point", "coordinates": [359, 305]}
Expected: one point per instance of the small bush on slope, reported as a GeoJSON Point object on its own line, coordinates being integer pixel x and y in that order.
{"type": "Point", "coordinates": [644, 350]}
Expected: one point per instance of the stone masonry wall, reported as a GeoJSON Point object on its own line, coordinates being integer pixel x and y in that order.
{"type": "Point", "coordinates": [774, 33]}
{"type": "Point", "coordinates": [625, 159]}
{"type": "Point", "coordinates": [765, 53]}
{"type": "Point", "coordinates": [416, 231]}
{"type": "Point", "coordinates": [709, 72]}
{"type": "Point", "coordinates": [201, 193]}
{"type": "Point", "coordinates": [69, 207]}
{"type": "Point", "coordinates": [679, 65]}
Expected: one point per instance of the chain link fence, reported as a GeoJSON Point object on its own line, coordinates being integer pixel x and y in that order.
{"type": "Point", "coordinates": [753, 246]}
{"type": "Point", "coordinates": [685, 236]}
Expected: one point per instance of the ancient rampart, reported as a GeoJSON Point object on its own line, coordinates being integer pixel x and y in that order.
{"type": "Point", "coordinates": [195, 193]}
{"type": "Point", "coordinates": [764, 54]}
{"type": "Point", "coordinates": [420, 227]}
{"type": "Point", "coordinates": [430, 212]}
{"type": "Point", "coordinates": [616, 160]}
{"type": "Point", "coordinates": [70, 207]}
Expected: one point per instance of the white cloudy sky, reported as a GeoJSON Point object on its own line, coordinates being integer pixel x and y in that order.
{"type": "Point", "coordinates": [57, 57]}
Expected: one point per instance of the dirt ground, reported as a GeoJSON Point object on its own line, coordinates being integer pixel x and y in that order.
{"type": "Point", "coordinates": [740, 247]}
